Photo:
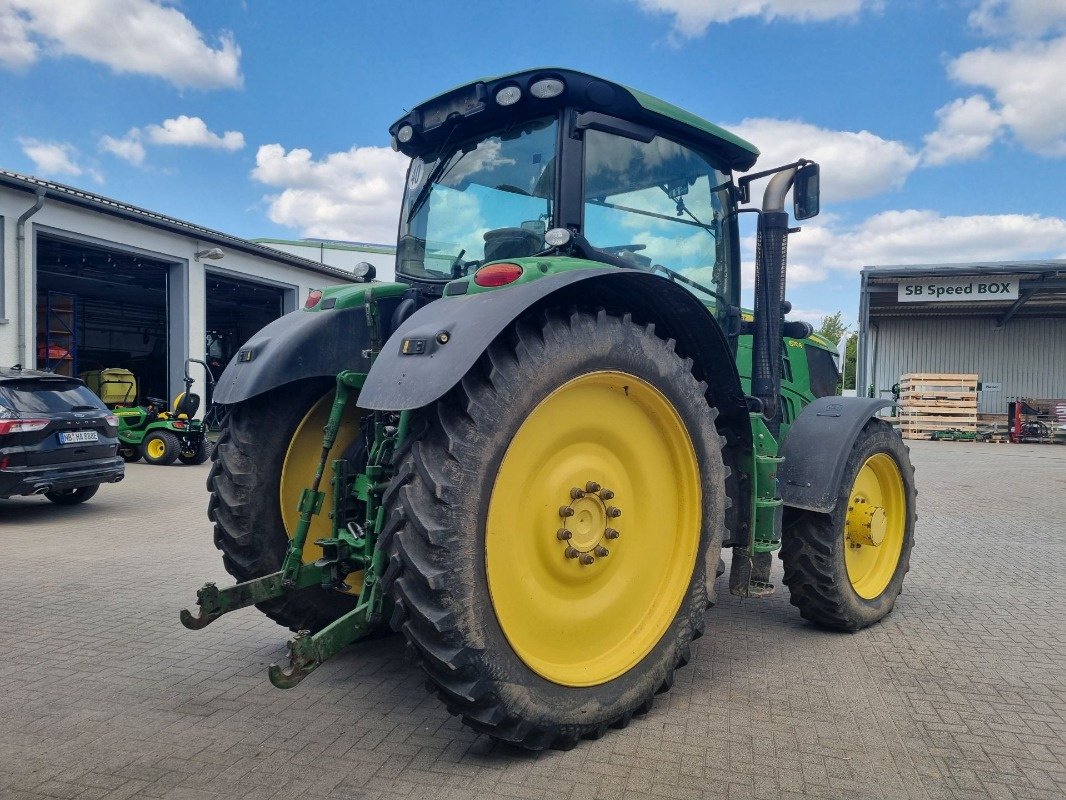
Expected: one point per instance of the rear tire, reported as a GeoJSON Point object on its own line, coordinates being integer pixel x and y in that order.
{"type": "Point", "coordinates": [245, 481]}
{"type": "Point", "coordinates": [816, 547]}
{"type": "Point", "coordinates": [71, 497]}
{"type": "Point", "coordinates": [449, 550]}
{"type": "Point", "coordinates": [161, 448]}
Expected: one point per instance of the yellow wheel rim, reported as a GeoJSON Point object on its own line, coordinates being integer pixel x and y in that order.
{"type": "Point", "coordinates": [582, 609]}
{"type": "Point", "coordinates": [156, 448]}
{"type": "Point", "coordinates": [874, 526]}
{"type": "Point", "coordinates": [301, 460]}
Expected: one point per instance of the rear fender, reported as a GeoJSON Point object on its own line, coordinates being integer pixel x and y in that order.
{"type": "Point", "coordinates": [435, 347]}
{"type": "Point", "coordinates": [298, 346]}
{"type": "Point", "coordinates": [817, 447]}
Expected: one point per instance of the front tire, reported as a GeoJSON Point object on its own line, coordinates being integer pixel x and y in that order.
{"type": "Point", "coordinates": [265, 454]}
{"type": "Point", "coordinates": [844, 570]}
{"type": "Point", "coordinates": [197, 454]}
{"type": "Point", "coordinates": [533, 636]}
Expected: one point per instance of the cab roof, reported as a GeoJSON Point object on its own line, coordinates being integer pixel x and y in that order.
{"type": "Point", "coordinates": [473, 105]}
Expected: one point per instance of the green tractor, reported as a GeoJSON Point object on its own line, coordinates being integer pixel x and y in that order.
{"type": "Point", "coordinates": [155, 432]}
{"type": "Point", "coordinates": [528, 451]}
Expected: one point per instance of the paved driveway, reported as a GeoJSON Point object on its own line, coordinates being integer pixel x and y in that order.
{"type": "Point", "coordinates": [961, 692]}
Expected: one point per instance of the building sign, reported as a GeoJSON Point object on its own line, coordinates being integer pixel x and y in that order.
{"type": "Point", "coordinates": [968, 290]}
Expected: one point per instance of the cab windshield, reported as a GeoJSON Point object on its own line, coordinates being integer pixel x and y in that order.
{"type": "Point", "coordinates": [479, 201]}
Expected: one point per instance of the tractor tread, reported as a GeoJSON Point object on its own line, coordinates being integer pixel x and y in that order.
{"type": "Point", "coordinates": [811, 548]}
{"type": "Point", "coordinates": [423, 538]}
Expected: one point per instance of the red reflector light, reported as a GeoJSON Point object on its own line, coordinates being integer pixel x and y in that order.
{"type": "Point", "coordinates": [22, 425]}
{"type": "Point", "coordinates": [312, 298]}
{"type": "Point", "coordinates": [497, 274]}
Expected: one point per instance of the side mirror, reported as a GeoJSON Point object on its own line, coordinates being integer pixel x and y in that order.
{"type": "Point", "coordinates": [364, 271]}
{"type": "Point", "coordinates": [805, 195]}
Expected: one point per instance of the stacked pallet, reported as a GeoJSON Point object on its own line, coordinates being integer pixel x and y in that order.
{"type": "Point", "coordinates": [936, 401]}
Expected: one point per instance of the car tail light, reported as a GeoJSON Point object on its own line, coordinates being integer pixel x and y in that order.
{"type": "Point", "coordinates": [497, 274]}
{"type": "Point", "coordinates": [111, 420]}
{"type": "Point", "coordinates": [313, 297]}
{"type": "Point", "coordinates": [22, 425]}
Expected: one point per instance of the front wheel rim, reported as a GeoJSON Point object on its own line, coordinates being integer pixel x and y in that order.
{"type": "Point", "coordinates": [875, 525]}
{"type": "Point", "coordinates": [593, 528]}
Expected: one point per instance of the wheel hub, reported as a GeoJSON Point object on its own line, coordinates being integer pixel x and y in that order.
{"type": "Point", "coordinates": [867, 523]}
{"type": "Point", "coordinates": [587, 522]}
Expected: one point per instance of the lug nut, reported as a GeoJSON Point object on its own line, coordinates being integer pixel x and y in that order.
{"type": "Point", "coordinates": [563, 534]}
{"type": "Point", "coordinates": [613, 512]}
{"type": "Point", "coordinates": [602, 551]}
{"type": "Point", "coordinates": [570, 552]}
{"type": "Point", "coordinates": [611, 533]}
{"type": "Point", "coordinates": [576, 494]}
{"type": "Point", "coordinates": [592, 487]}
{"type": "Point", "coordinates": [566, 511]}
{"type": "Point", "coordinates": [586, 559]}
{"type": "Point", "coordinates": [606, 494]}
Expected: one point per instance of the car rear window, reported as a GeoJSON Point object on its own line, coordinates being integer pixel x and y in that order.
{"type": "Point", "coordinates": [47, 395]}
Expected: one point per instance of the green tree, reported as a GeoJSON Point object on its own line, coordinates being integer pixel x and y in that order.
{"type": "Point", "coordinates": [832, 327]}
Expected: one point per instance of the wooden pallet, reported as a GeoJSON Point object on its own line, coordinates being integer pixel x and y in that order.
{"type": "Point", "coordinates": [936, 401]}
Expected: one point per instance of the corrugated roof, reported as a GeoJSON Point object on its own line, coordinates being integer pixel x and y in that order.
{"type": "Point", "coordinates": [107, 205]}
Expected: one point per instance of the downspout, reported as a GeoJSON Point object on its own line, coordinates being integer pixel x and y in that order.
{"type": "Point", "coordinates": [20, 266]}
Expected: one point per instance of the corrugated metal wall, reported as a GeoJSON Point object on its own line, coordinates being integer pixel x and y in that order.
{"type": "Point", "coordinates": [1027, 357]}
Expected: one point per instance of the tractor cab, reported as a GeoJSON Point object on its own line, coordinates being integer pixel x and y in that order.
{"type": "Point", "coordinates": [508, 168]}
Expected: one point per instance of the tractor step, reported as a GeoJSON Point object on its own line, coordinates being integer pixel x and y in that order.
{"type": "Point", "coordinates": [749, 575]}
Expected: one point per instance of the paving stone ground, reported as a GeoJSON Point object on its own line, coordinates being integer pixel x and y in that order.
{"type": "Point", "coordinates": [960, 693]}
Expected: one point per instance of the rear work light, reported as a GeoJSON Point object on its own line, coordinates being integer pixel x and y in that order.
{"type": "Point", "coordinates": [22, 425]}
{"type": "Point", "coordinates": [497, 274]}
{"type": "Point", "coordinates": [313, 298]}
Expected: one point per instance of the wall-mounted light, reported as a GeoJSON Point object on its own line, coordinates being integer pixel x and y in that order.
{"type": "Point", "coordinates": [215, 253]}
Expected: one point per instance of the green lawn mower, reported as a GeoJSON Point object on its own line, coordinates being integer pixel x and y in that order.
{"type": "Point", "coordinates": [151, 431]}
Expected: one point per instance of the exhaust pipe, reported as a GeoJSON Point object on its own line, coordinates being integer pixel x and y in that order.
{"type": "Point", "coordinates": [42, 490]}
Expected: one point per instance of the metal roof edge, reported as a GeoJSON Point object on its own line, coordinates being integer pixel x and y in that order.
{"type": "Point", "coordinates": [330, 244]}
{"type": "Point", "coordinates": [962, 268]}
{"type": "Point", "coordinates": [107, 205]}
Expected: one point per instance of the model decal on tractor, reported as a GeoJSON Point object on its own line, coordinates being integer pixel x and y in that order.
{"type": "Point", "coordinates": [541, 505]}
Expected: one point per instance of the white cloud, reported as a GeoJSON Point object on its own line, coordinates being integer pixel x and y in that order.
{"type": "Point", "coordinates": [16, 47]}
{"type": "Point", "coordinates": [923, 237]}
{"type": "Point", "coordinates": [145, 37]}
{"type": "Point", "coordinates": [854, 164]}
{"type": "Point", "coordinates": [51, 158]}
{"type": "Point", "coordinates": [693, 17]}
{"type": "Point", "coordinates": [187, 131]}
{"type": "Point", "coordinates": [1026, 80]}
{"type": "Point", "coordinates": [180, 131]}
{"type": "Point", "coordinates": [1019, 17]}
{"type": "Point", "coordinates": [966, 129]}
{"type": "Point", "coordinates": [127, 147]}
{"type": "Point", "coordinates": [352, 195]}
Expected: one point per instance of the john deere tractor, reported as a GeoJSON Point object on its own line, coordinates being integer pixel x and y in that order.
{"type": "Point", "coordinates": [527, 453]}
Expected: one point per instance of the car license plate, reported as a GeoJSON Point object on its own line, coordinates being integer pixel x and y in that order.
{"type": "Point", "coordinates": [74, 437]}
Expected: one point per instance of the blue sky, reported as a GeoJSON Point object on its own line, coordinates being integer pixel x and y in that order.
{"type": "Point", "coordinates": [940, 126]}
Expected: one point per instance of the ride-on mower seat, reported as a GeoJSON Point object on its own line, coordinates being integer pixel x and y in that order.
{"type": "Point", "coordinates": [187, 405]}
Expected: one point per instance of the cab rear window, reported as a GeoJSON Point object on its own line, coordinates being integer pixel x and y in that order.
{"type": "Point", "coordinates": [47, 395]}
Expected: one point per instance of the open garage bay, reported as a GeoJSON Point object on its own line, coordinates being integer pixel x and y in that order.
{"type": "Point", "coordinates": [959, 693]}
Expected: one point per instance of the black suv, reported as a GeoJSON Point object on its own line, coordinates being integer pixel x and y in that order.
{"type": "Point", "coordinates": [57, 438]}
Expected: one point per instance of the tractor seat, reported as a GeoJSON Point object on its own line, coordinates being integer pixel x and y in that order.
{"type": "Point", "coordinates": [187, 405]}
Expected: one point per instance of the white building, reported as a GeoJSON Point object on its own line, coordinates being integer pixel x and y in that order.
{"type": "Point", "coordinates": [90, 282]}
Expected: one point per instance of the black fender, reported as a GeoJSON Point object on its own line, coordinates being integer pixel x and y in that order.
{"type": "Point", "coordinates": [435, 347]}
{"type": "Point", "coordinates": [297, 346]}
{"type": "Point", "coordinates": [816, 449]}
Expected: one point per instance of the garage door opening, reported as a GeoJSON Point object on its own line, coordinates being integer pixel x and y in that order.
{"type": "Point", "coordinates": [236, 310]}
{"type": "Point", "coordinates": [99, 308]}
